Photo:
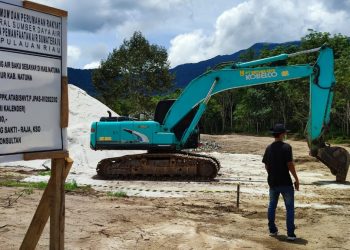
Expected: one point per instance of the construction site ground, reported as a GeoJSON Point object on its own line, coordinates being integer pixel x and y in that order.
{"type": "Point", "coordinates": [191, 215]}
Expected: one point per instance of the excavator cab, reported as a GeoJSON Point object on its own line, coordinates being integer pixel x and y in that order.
{"type": "Point", "coordinates": [162, 109]}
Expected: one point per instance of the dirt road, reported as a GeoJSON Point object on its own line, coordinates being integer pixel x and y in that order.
{"type": "Point", "coordinates": [194, 215]}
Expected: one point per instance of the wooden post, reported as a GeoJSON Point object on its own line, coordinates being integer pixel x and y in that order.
{"type": "Point", "coordinates": [64, 102]}
{"type": "Point", "coordinates": [57, 205]}
{"type": "Point", "coordinates": [43, 211]}
{"type": "Point", "coordinates": [238, 191]}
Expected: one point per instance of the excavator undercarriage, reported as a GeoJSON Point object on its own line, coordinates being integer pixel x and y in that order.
{"type": "Point", "coordinates": [178, 165]}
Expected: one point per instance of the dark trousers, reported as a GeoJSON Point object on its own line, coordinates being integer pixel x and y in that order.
{"type": "Point", "coordinates": [288, 197]}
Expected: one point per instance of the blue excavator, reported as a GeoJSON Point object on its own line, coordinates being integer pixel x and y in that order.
{"type": "Point", "coordinates": [175, 124]}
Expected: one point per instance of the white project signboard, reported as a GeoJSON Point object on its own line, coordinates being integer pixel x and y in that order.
{"type": "Point", "coordinates": [28, 30]}
{"type": "Point", "coordinates": [30, 81]}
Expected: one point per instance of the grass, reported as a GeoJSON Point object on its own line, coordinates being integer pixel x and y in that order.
{"type": "Point", "coordinates": [45, 173]}
{"type": "Point", "coordinates": [340, 140]}
{"type": "Point", "coordinates": [119, 194]}
{"type": "Point", "coordinates": [28, 191]}
{"type": "Point", "coordinates": [70, 186]}
{"type": "Point", "coordinates": [14, 183]}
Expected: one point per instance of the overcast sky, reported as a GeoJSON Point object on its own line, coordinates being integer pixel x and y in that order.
{"type": "Point", "coordinates": [193, 30]}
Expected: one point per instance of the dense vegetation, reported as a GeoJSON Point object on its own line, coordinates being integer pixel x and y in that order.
{"type": "Point", "coordinates": [135, 77]}
{"type": "Point", "coordinates": [256, 109]}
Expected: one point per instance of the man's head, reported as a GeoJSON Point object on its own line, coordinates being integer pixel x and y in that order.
{"type": "Point", "coordinates": [279, 130]}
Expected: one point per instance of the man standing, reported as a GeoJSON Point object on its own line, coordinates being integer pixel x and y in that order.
{"type": "Point", "coordinates": [278, 159]}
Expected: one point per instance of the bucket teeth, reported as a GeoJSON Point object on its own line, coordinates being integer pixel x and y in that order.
{"type": "Point", "coordinates": [337, 159]}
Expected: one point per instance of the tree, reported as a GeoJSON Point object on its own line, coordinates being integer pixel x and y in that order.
{"type": "Point", "coordinates": [257, 108]}
{"type": "Point", "coordinates": [132, 74]}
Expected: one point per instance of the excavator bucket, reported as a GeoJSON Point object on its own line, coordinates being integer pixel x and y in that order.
{"type": "Point", "coordinates": [337, 159]}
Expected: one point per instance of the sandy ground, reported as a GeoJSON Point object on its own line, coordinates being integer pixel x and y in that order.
{"type": "Point", "coordinates": [193, 215]}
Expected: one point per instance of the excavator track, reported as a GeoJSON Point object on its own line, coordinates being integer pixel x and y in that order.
{"type": "Point", "coordinates": [155, 166]}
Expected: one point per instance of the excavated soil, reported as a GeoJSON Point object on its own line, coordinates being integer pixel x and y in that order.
{"type": "Point", "coordinates": [191, 215]}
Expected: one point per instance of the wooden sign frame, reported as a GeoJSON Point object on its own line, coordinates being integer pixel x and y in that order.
{"type": "Point", "coordinates": [52, 203]}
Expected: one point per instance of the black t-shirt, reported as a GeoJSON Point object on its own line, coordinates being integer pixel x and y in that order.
{"type": "Point", "coordinates": [276, 157]}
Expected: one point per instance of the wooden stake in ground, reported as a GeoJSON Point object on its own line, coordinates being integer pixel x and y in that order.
{"type": "Point", "coordinates": [57, 205]}
{"type": "Point", "coordinates": [238, 191]}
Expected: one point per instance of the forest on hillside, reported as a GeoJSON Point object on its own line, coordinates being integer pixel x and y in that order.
{"type": "Point", "coordinates": [256, 109]}
{"type": "Point", "coordinates": [136, 76]}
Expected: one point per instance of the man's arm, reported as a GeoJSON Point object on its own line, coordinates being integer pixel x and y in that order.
{"type": "Point", "coordinates": [267, 168]}
{"type": "Point", "coordinates": [292, 170]}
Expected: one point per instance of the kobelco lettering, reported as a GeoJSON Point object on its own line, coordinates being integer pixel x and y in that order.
{"type": "Point", "coordinates": [261, 75]}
